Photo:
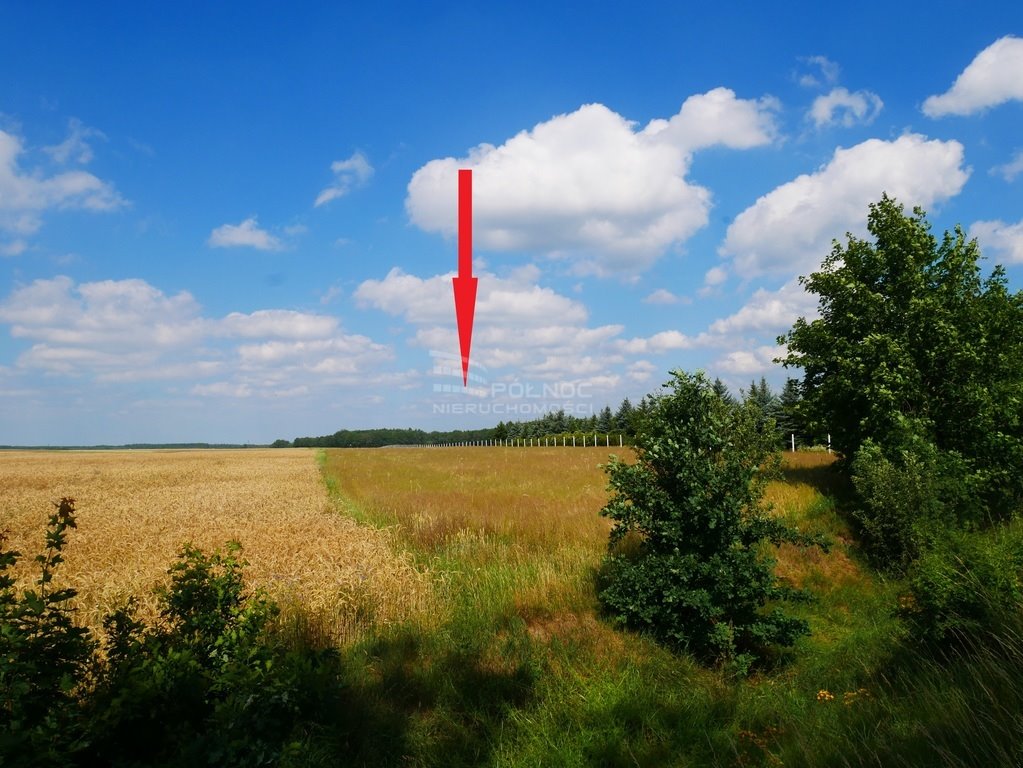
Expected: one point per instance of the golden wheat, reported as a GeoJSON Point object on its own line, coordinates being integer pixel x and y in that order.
{"type": "Point", "coordinates": [136, 509]}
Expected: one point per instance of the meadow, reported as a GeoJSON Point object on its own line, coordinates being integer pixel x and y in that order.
{"type": "Point", "coordinates": [459, 585]}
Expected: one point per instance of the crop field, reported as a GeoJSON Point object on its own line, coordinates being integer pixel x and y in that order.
{"type": "Point", "coordinates": [137, 508]}
{"type": "Point", "coordinates": [459, 586]}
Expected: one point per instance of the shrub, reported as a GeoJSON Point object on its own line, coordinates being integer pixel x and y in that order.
{"type": "Point", "coordinates": [698, 577]}
{"type": "Point", "coordinates": [966, 584]}
{"type": "Point", "coordinates": [211, 682]}
{"type": "Point", "coordinates": [908, 501]}
{"type": "Point", "coordinates": [44, 657]}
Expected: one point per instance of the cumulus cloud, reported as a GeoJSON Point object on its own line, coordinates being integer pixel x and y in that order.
{"type": "Point", "coordinates": [662, 296]}
{"type": "Point", "coordinates": [659, 342]}
{"type": "Point", "coordinates": [790, 229]}
{"type": "Point", "coordinates": [515, 300]}
{"type": "Point", "coordinates": [768, 311]}
{"type": "Point", "coordinates": [1006, 240]}
{"type": "Point", "coordinates": [130, 331]}
{"type": "Point", "coordinates": [248, 234]}
{"type": "Point", "coordinates": [718, 118]}
{"type": "Point", "coordinates": [109, 315]}
{"type": "Point", "coordinates": [1011, 169]}
{"type": "Point", "coordinates": [748, 362]}
{"type": "Point", "coordinates": [589, 185]}
{"type": "Point", "coordinates": [278, 323]}
{"type": "Point", "coordinates": [26, 194]}
{"type": "Point", "coordinates": [994, 77]}
{"type": "Point", "coordinates": [521, 328]}
{"type": "Point", "coordinates": [348, 174]}
{"type": "Point", "coordinates": [845, 108]}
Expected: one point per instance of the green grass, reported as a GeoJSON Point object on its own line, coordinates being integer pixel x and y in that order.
{"type": "Point", "coordinates": [517, 667]}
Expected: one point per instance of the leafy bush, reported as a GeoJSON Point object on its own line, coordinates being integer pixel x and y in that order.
{"type": "Point", "coordinates": [697, 576]}
{"type": "Point", "coordinates": [211, 682]}
{"type": "Point", "coordinates": [44, 657]}
{"type": "Point", "coordinates": [966, 584]}
{"type": "Point", "coordinates": [908, 501]}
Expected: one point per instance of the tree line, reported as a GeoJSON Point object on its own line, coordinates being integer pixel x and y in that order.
{"type": "Point", "coordinates": [782, 408]}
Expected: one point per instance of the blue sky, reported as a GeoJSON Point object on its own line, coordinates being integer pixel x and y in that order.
{"type": "Point", "coordinates": [236, 222]}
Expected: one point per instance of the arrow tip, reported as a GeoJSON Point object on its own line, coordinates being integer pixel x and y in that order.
{"type": "Point", "coordinates": [465, 311]}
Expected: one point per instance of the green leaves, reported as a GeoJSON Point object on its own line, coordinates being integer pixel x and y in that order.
{"type": "Point", "coordinates": [697, 580]}
{"type": "Point", "coordinates": [914, 348]}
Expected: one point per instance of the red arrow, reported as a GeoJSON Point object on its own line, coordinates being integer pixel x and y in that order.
{"type": "Point", "coordinates": [465, 284]}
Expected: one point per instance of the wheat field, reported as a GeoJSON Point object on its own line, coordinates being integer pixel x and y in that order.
{"type": "Point", "coordinates": [137, 508]}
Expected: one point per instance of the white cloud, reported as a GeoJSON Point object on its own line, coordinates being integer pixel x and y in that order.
{"type": "Point", "coordinates": [347, 174]}
{"type": "Point", "coordinates": [14, 248]}
{"type": "Point", "coordinates": [107, 315]}
{"type": "Point", "coordinates": [769, 311]}
{"type": "Point", "coordinates": [520, 328]}
{"type": "Point", "coordinates": [749, 361]}
{"type": "Point", "coordinates": [994, 77]}
{"type": "Point", "coordinates": [848, 109]}
{"type": "Point", "coordinates": [718, 118]}
{"type": "Point", "coordinates": [1011, 169]}
{"type": "Point", "coordinates": [662, 296]}
{"type": "Point", "coordinates": [658, 343]}
{"type": "Point", "coordinates": [26, 195]}
{"type": "Point", "coordinates": [641, 370]}
{"type": "Point", "coordinates": [1005, 239]}
{"type": "Point", "coordinates": [588, 185]}
{"type": "Point", "coordinates": [129, 331]}
{"type": "Point", "coordinates": [514, 300]}
{"type": "Point", "coordinates": [75, 147]}
{"type": "Point", "coordinates": [825, 72]}
{"type": "Point", "coordinates": [279, 323]}
{"type": "Point", "coordinates": [790, 229]}
{"type": "Point", "coordinates": [248, 234]}
{"type": "Point", "coordinates": [223, 389]}
{"type": "Point", "coordinates": [715, 276]}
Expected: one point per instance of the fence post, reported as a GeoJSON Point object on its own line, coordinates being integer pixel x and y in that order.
{"type": "Point", "coordinates": [793, 442]}
{"type": "Point", "coordinates": [619, 439]}
{"type": "Point", "coordinates": [573, 441]}
{"type": "Point", "coordinates": [829, 442]}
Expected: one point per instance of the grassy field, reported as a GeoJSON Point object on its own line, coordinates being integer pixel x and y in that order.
{"type": "Point", "coordinates": [459, 586]}
{"type": "Point", "coordinates": [513, 539]}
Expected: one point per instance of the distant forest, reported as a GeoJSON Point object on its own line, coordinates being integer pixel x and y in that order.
{"type": "Point", "coordinates": [624, 421]}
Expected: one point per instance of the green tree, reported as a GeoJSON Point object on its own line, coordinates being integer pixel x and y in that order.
{"type": "Point", "coordinates": [623, 416]}
{"type": "Point", "coordinates": [605, 421]}
{"type": "Point", "coordinates": [686, 560]}
{"type": "Point", "coordinates": [788, 418]}
{"type": "Point", "coordinates": [912, 346]}
{"type": "Point", "coordinates": [722, 391]}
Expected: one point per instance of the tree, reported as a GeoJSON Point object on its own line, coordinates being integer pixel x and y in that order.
{"type": "Point", "coordinates": [686, 561]}
{"type": "Point", "coordinates": [605, 421]}
{"type": "Point", "coordinates": [623, 416]}
{"type": "Point", "coordinates": [722, 391]}
{"type": "Point", "coordinates": [788, 418]}
{"type": "Point", "coordinates": [913, 347]}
